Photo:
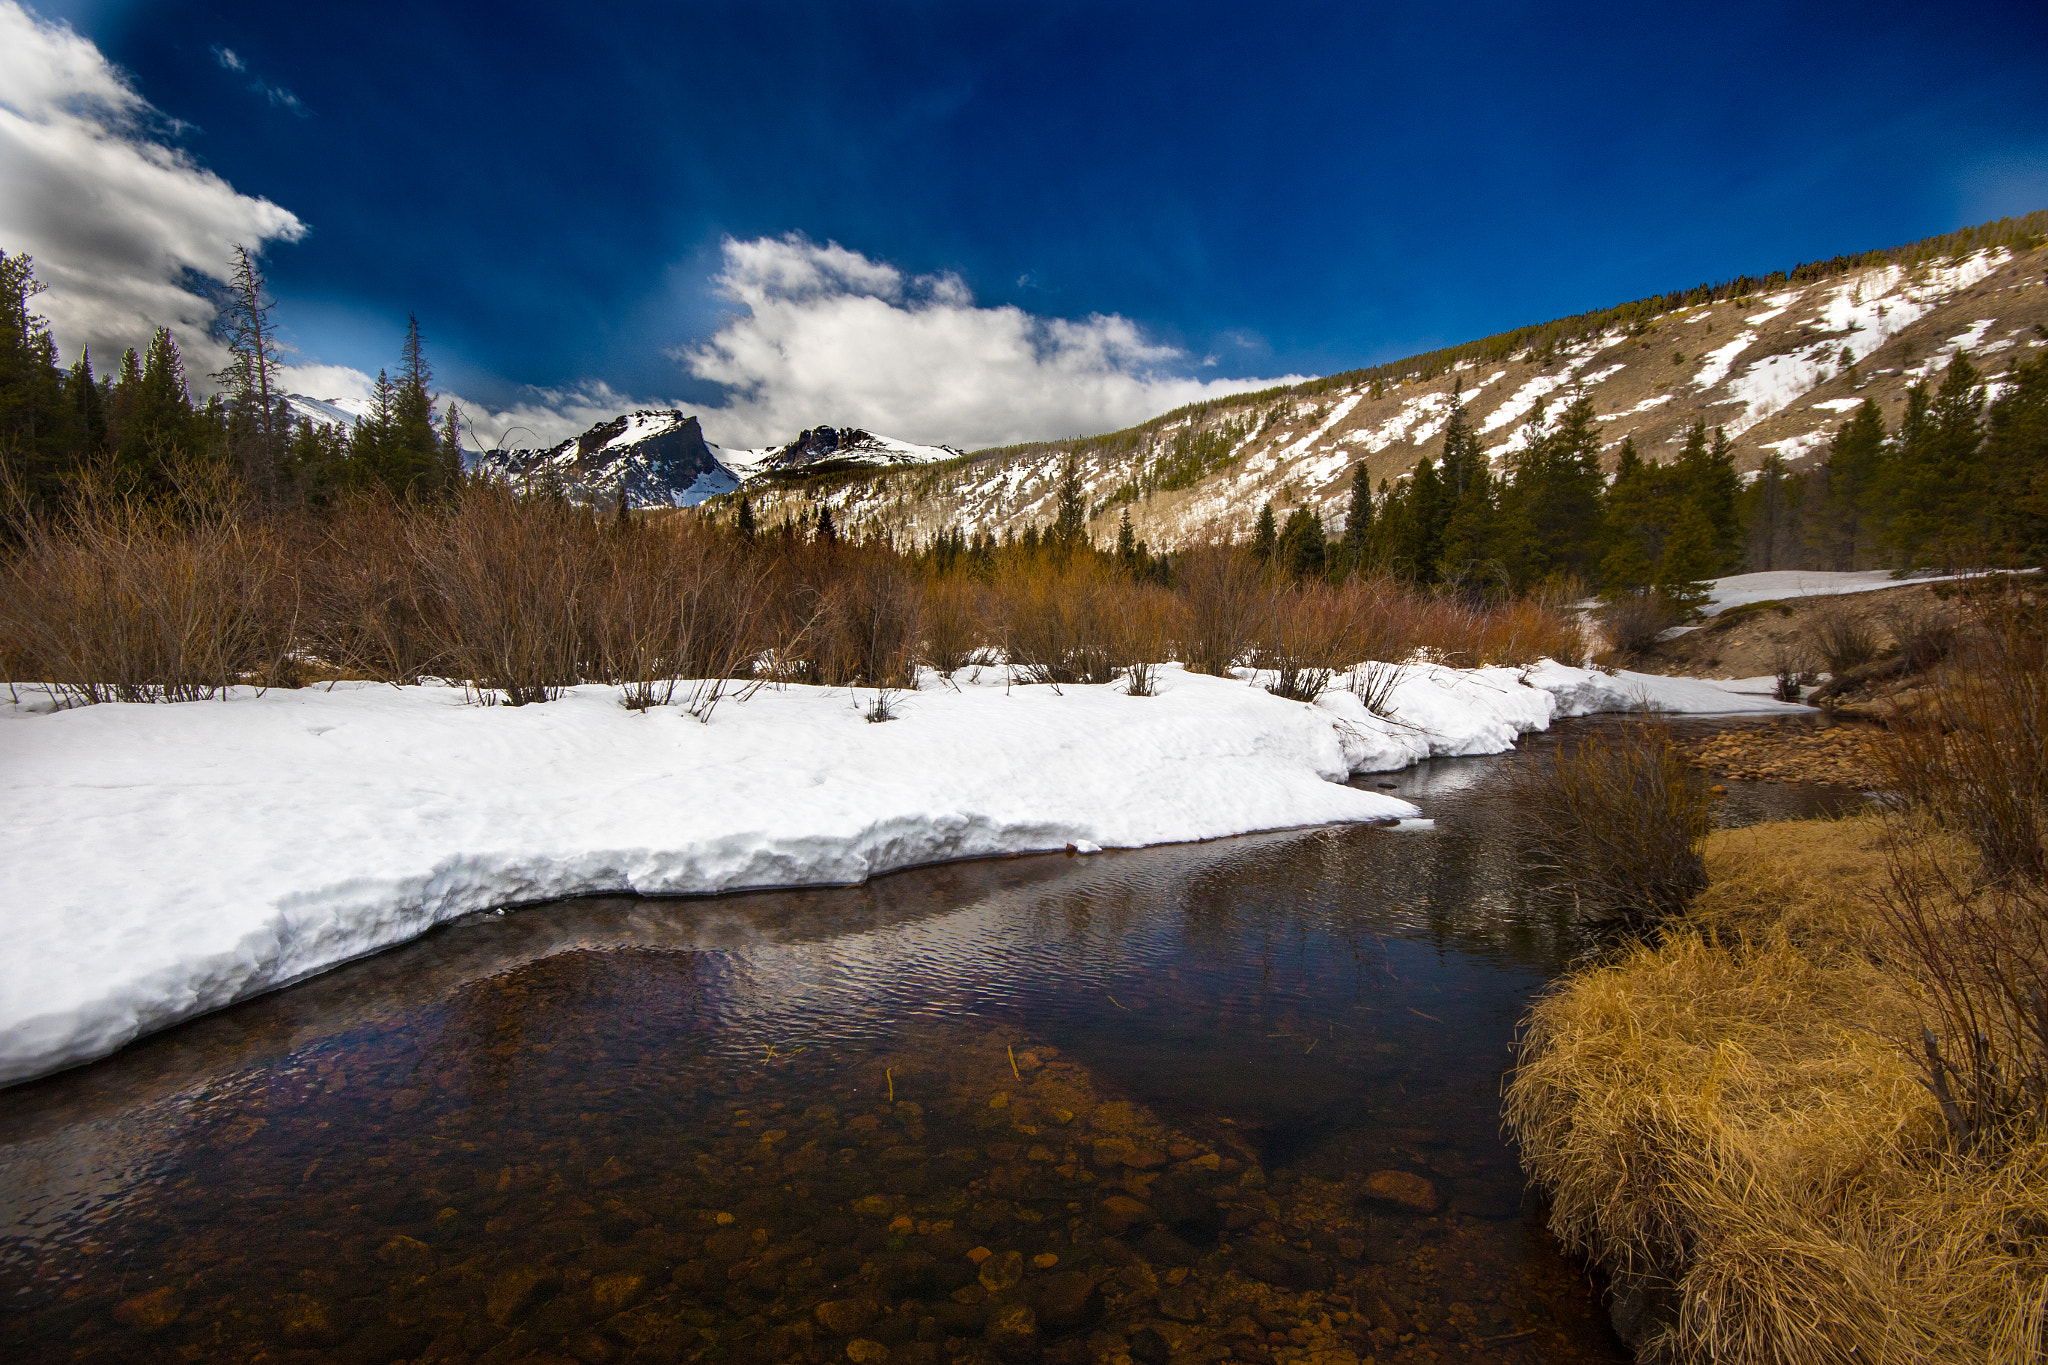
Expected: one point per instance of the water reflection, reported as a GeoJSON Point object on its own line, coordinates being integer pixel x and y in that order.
{"type": "Point", "coordinates": [1234, 1100]}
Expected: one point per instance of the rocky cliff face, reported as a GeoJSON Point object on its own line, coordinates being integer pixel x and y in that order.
{"type": "Point", "coordinates": [651, 459]}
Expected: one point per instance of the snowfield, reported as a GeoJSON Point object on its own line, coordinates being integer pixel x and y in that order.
{"type": "Point", "coordinates": [168, 860]}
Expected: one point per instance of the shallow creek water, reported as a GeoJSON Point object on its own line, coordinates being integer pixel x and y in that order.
{"type": "Point", "coordinates": [1228, 1101]}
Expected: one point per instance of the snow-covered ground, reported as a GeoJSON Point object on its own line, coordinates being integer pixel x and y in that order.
{"type": "Point", "coordinates": [1741, 589]}
{"type": "Point", "coordinates": [167, 860]}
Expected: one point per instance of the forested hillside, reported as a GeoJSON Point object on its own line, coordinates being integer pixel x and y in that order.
{"type": "Point", "coordinates": [1877, 410]}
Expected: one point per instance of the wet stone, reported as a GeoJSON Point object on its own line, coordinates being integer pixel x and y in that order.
{"type": "Point", "coordinates": [150, 1312]}
{"type": "Point", "coordinates": [1276, 1263]}
{"type": "Point", "coordinates": [1402, 1190]}
{"type": "Point", "coordinates": [1148, 1347]}
{"type": "Point", "coordinates": [1001, 1271]}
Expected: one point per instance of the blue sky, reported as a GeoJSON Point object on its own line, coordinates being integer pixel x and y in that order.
{"type": "Point", "coordinates": [1245, 191]}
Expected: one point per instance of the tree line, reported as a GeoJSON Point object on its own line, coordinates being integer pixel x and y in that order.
{"type": "Point", "coordinates": [1962, 481]}
{"type": "Point", "coordinates": [139, 430]}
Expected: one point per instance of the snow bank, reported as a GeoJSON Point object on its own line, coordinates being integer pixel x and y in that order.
{"type": "Point", "coordinates": [167, 860]}
{"type": "Point", "coordinates": [1743, 588]}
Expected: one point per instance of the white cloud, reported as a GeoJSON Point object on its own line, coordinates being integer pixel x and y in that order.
{"type": "Point", "coordinates": [827, 335]}
{"type": "Point", "coordinates": [226, 57]}
{"type": "Point", "coordinates": [117, 219]}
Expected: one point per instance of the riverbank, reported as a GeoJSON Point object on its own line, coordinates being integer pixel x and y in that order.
{"type": "Point", "coordinates": [1731, 1122]}
{"type": "Point", "coordinates": [167, 860]}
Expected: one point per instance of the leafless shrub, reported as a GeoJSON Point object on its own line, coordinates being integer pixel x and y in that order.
{"type": "Point", "coordinates": [1923, 634]}
{"type": "Point", "coordinates": [1978, 951]}
{"type": "Point", "coordinates": [512, 582]}
{"type": "Point", "coordinates": [1618, 820]}
{"type": "Point", "coordinates": [877, 612]}
{"type": "Point", "coordinates": [1374, 683]}
{"type": "Point", "coordinates": [1144, 621]}
{"type": "Point", "coordinates": [366, 612]}
{"type": "Point", "coordinates": [956, 612]}
{"type": "Point", "coordinates": [675, 608]}
{"type": "Point", "coordinates": [1843, 636]}
{"type": "Point", "coordinates": [129, 601]}
{"type": "Point", "coordinates": [1310, 637]}
{"type": "Point", "coordinates": [1059, 623]}
{"type": "Point", "coordinates": [1974, 754]}
{"type": "Point", "coordinates": [1226, 603]}
{"type": "Point", "coordinates": [1635, 621]}
{"type": "Point", "coordinates": [1786, 668]}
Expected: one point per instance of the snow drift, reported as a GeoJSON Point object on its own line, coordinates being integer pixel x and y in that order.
{"type": "Point", "coordinates": [168, 860]}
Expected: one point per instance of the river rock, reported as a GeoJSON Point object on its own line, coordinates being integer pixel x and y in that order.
{"type": "Point", "coordinates": [1120, 1211]}
{"type": "Point", "coordinates": [1162, 1247]}
{"type": "Point", "coordinates": [844, 1317]}
{"type": "Point", "coordinates": [1012, 1330]}
{"type": "Point", "coordinates": [864, 1352]}
{"type": "Point", "coordinates": [151, 1312]}
{"type": "Point", "coordinates": [1403, 1190]}
{"type": "Point", "coordinates": [1067, 1300]}
{"type": "Point", "coordinates": [1149, 1348]}
{"type": "Point", "coordinates": [1000, 1272]}
{"type": "Point", "coordinates": [1276, 1263]}
{"type": "Point", "coordinates": [515, 1290]}
{"type": "Point", "coordinates": [305, 1321]}
{"type": "Point", "coordinates": [610, 1293]}
{"type": "Point", "coordinates": [406, 1253]}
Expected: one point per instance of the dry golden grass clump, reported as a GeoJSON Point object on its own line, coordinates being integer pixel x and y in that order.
{"type": "Point", "coordinates": [1734, 1120]}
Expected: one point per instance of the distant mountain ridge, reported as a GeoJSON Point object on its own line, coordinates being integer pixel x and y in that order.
{"type": "Point", "coordinates": [1777, 361]}
{"type": "Point", "coordinates": [659, 458]}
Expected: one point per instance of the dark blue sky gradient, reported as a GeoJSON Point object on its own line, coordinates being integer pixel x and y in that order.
{"type": "Point", "coordinates": [1285, 187]}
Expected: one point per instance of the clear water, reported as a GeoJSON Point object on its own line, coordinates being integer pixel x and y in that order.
{"type": "Point", "coordinates": [1229, 1101]}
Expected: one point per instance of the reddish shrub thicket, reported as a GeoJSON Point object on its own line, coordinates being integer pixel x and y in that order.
{"type": "Point", "coordinates": [521, 596]}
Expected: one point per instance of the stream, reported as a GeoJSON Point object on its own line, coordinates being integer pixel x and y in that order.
{"type": "Point", "coordinates": [1211, 1102]}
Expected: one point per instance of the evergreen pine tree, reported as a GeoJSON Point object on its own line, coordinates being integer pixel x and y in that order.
{"type": "Point", "coordinates": [743, 521]}
{"type": "Point", "coordinates": [157, 432]}
{"type": "Point", "coordinates": [256, 436]}
{"type": "Point", "coordinates": [1636, 512]}
{"type": "Point", "coordinates": [1265, 535]}
{"type": "Point", "coordinates": [1845, 515]}
{"type": "Point", "coordinates": [2015, 458]}
{"type": "Point", "coordinates": [413, 462]}
{"type": "Point", "coordinates": [1770, 517]}
{"type": "Point", "coordinates": [1069, 530]}
{"type": "Point", "coordinates": [36, 424]}
{"type": "Point", "coordinates": [1126, 541]}
{"type": "Point", "coordinates": [1939, 498]}
{"type": "Point", "coordinates": [1358, 519]}
{"type": "Point", "coordinates": [1554, 520]}
{"type": "Point", "coordinates": [827, 532]}
{"type": "Point", "coordinates": [88, 402]}
{"type": "Point", "coordinates": [1692, 555]}
{"type": "Point", "coordinates": [1302, 550]}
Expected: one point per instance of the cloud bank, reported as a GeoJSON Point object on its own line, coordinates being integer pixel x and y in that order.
{"type": "Point", "coordinates": [119, 221]}
{"type": "Point", "coordinates": [130, 233]}
{"type": "Point", "coordinates": [827, 335]}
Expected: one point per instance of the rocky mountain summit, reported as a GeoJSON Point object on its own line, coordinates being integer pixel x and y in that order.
{"type": "Point", "coordinates": [661, 459]}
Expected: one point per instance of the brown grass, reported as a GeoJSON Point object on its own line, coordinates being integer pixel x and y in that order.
{"type": "Point", "coordinates": [1730, 1113]}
